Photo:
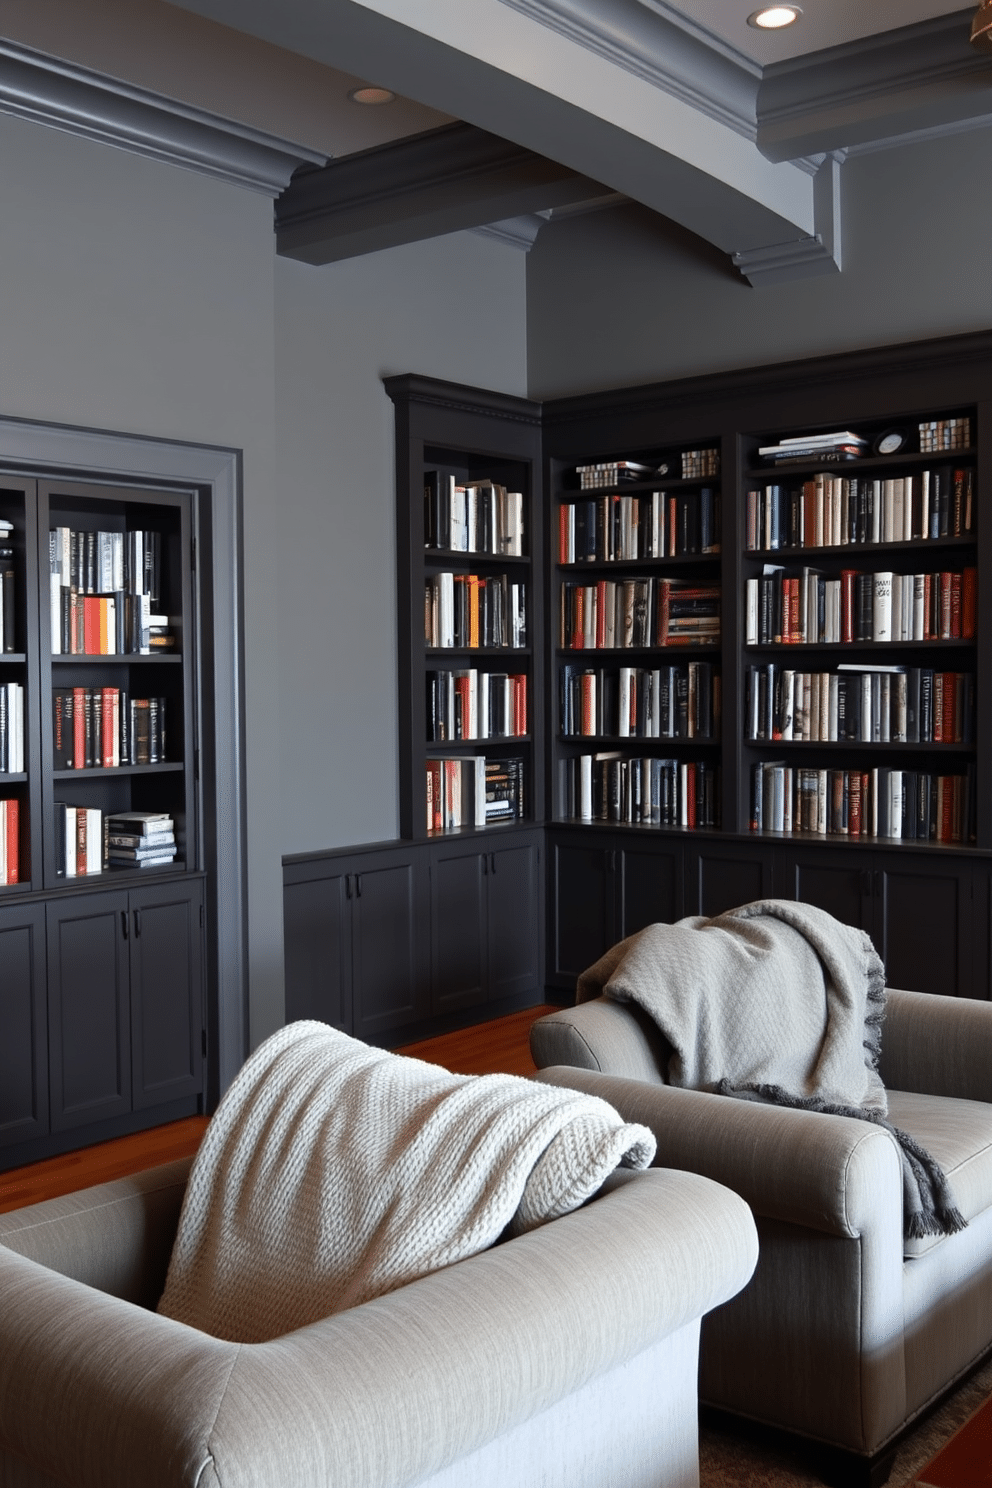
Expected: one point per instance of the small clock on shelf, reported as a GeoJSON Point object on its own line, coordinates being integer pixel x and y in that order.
{"type": "Point", "coordinates": [890, 441]}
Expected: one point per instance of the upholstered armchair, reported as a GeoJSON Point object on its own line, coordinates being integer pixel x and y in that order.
{"type": "Point", "coordinates": [566, 1356]}
{"type": "Point", "coordinates": [846, 1332]}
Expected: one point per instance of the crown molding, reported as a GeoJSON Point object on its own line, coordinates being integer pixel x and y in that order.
{"type": "Point", "coordinates": [515, 232]}
{"type": "Point", "coordinates": [648, 39]}
{"type": "Point", "coordinates": [810, 256]}
{"type": "Point", "coordinates": [88, 104]}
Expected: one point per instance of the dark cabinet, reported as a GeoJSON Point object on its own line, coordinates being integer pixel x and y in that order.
{"type": "Point", "coordinates": [24, 1040]}
{"type": "Point", "coordinates": [357, 940]}
{"type": "Point", "coordinates": [486, 916]}
{"type": "Point", "coordinates": [601, 894]}
{"type": "Point", "coordinates": [125, 1001]}
{"type": "Point", "coordinates": [926, 913]}
{"type": "Point", "coordinates": [722, 875]}
{"type": "Point", "coordinates": [166, 977]}
{"type": "Point", "coordinates": [89, 1010]}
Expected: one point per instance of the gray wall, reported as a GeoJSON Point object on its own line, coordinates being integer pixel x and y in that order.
{"type": "Point", "coordinates": [616, 298]}
{"type": "Point", "coordinates": [453, 308]}
{"type": "Point", "coordinates": [141, 298]}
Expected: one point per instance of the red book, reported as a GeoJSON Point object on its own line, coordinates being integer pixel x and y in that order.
{"type": "Point", "coordinates": [939, 736]}
{"type": "Point", "coordinates": [91, 625]}
{"type": "Point", "coordinates": [786, 611]}
{"type": "Point", "coordinates": [944, 612]}
{"type": "Point", "coordinates": [578, 623]}
{"type": "Point", "coordinates": [79, 727]}
{"type": "Point", "coordinates": [929, 628]}
{"type": "Point", "coordinates": [80, 841]}
{"type": "Point", "coordinates": [955, 607]}
{"type": "Point", "coordinates": [969, 603]}
{"type": "Point", "coordinates": [854, 804]}
{"type": "Point", "coordinates": [110, 711]}
{"type": "Point", "coordinates": [948, 692]}
{"type": "Point", "coordinates": [434, 822]}
{"type": "Point", "coordinates": [12, 811]}
{"type": "Point", "coordinates": [690, 792]}
{"type": "Point", "coordinates": [587, 687]}
{"type": "Point", "coordinates": [847, 578]}
{"type": "Point", "coordinates": [601, 614]}
{"type": "Point", "coordinates": [520, 705]}
{"type": "Point", "coordinates": [563, 511]}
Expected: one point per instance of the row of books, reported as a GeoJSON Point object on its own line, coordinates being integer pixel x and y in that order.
{"type": "Point", "coordinates": [621, 529]}
{"type": "Point", "coordinates": [478, 517]}
{"type": "Point", "coordinates": [806, 608]}
{"type": "Point", "coordinates": [87, 841]}
{"type": "Point", "coordinates": [868, 705]}
{"type": "Point", "coordinates": [670, 702]}
{"type": "Point", "coordinates": [466, 611]}
{"type": "Point", "coordinates": [470, 704]}
{"type": "Point", "coordinates": [639, 613]}
{"type": "Point", "coordinates": [641, 792]}
{"type": "Point", "coordinates": [104, 727]}
{"type": "Point", "coordinates": [693, 464]}
{"type": "Point", "coordinates": [473, 791]}
{"type": "Point", "coordinates": [886, 803]}
{"type": "Point", "coordinates": [105, 593]}
{"type": "Point", "coordinates": [8, 589]}
{"type": "Point", "coordinates": [833, 511]}
{"type": "Point", "coordinates": [10, 840]}
{"type": "Point", "coordinates": [11, 728]}
{"type": "Point", "coordinates": [107, 562]}
{"type": "Point", "coordinates": [942, 434]}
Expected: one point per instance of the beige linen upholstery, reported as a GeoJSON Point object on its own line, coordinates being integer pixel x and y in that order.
{"type": "Point", "coordinates": [846, 1330]}
{"type": "Point", "coordinates": [565, 1356]}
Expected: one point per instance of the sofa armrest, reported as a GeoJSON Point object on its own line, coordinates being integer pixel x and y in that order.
{"type": "Point", "coordinates": [936, 1045]}
{"type": "Point", "coordinates": [602, 1035]}
{"type": "Point", "coordinates": [829, 1173]}
{"type": "Point", "coordinates": [95, 1390]}
{"type": "Point", "coordinates": [114, 1236]}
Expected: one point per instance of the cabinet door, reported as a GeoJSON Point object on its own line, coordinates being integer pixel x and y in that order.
{"type": "Point", "coordinates": [167, 1013]}
{"type": "Point", "coordinates": [923, 923]}
{"type": "Point", "coordinates": [840, 882]}
{"type": "Point", "coordinates": [458, 927]}
{"type": "Point", "coordinates": [390, 943]}
{"type": "Point", "coordinates": [24, 1025]}
{"type": "Point", "coordinates": [583, 895]}
{"type": "Point", "coordinates": [720, 877]}
{"type": "Point", "coordinates": [88, 1009]}
{"type": "Point", "coordinates": [650, 885]}
{"type": "Point", "coordinates": [317, 938]}
{"type": "Point", "coordinates": [515, 912]}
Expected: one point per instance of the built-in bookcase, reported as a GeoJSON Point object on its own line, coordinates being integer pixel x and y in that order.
{"type": "Point", "coordinates": [470, 552]}
{"type": "Point", "coordinates": [636, 618]}
{"type": "Point", "coordinates": [861, 689]}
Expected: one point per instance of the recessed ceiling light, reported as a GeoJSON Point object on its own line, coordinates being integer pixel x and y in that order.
{"type": "Point", "coordinates": [773, 17]}
{"type": "Point", "coordinates": [371, 95]}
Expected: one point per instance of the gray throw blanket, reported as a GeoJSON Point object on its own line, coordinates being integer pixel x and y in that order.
{"type": "Point", "coordinates": [333, 1172]}
{"type": "Point", "coordinates": [775, 1001]}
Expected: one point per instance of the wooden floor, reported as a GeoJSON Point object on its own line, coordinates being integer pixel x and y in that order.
{"type": "Point", "coordinates": [489, 1048]}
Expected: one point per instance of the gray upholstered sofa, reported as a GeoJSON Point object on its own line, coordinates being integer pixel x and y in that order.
{"type": "Point", "coordinates": [564, 1357]}
{"type": "Point", "coordinates": [846, 1332]}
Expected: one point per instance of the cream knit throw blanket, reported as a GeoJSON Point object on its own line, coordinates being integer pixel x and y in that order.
{"type": "Point", "coordinates": [333, 1172]}
{"type": "Point", "coordinates": [774, 1001]}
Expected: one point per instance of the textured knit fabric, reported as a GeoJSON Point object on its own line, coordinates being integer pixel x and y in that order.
{"type": "Point", "coordinates": [333, 1172]}
{"type": "Point", "coordinates": [775, 1001]}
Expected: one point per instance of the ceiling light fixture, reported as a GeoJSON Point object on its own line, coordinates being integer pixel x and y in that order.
{"type": "Point", "coordinates": [981, 27]}
{"type": "Point", "coordinates": [774, 17]}
{"type": "Point", "coordinates": [372, 96]}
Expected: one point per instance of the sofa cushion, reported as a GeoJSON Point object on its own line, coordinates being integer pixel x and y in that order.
{"type": "Point", "coordinates": [958, 1133]}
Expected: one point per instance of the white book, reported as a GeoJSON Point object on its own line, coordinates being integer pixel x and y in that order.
{"type": "Point", "coordinates": [907, 518]}
{"type": "Point", "coordinates": [866, 728]}
{"type": "Point", "coordinates": [898, 508]}
{"type": "Point", "coordinates": [480, 790]}
{"type": "Point", "coordinates": [94, 839]}
{"type": "Point", "coordinates": [882, 607]}
{"type": "Point", "coordinates": [897, 607]}
{"type": "Point", "coordinates": [924, 527]}
{"type": "Point", "coordinates": [70, 841]}
{"type": "Point", "coordinates": [585, 787]}
{"type": "Point", "coordinates": [895, 803]}
{"type": "Point", "coordinates": [56, 619]}
{"type": "Point", "coordinates": [446, 610]}
{"type": "Point", "coordinates": [788, 695]}
{"type": "Point", "coordinates": [458, 537]}
{"type": "Point", "coordinates": [625, 692]}
{"type": "Point", "coordinates": [919, 594]}
{"type": "Point", "coordinates": [822, 804]}
{"type": "Point", "coordinates": [834, 685]}
{"type": "Point", "coordinates": [884, 707]}
{"type": "Point", "coordinates": [837, 510]}
{"type": "Point", "coordinates": [751, 613]}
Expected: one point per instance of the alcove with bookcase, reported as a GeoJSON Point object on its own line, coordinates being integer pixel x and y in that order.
{"type": "Point", "coordinates": [101, 923]}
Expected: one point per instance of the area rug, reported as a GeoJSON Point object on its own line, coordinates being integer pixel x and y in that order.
{"type": "Point", "coordinates": [732, 1459]}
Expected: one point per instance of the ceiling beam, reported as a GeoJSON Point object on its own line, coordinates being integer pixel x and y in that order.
{"type": "Point", "coordinates": [442, 181]}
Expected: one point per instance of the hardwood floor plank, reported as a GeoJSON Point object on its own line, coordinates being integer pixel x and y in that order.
{"type": "Point", "coordinates": [500, 1046]}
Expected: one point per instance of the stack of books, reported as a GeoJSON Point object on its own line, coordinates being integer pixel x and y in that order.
{"type": "Point", "coordinates": [140, 839]}
{"type": "Point", "coordinates": [840, 446]}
